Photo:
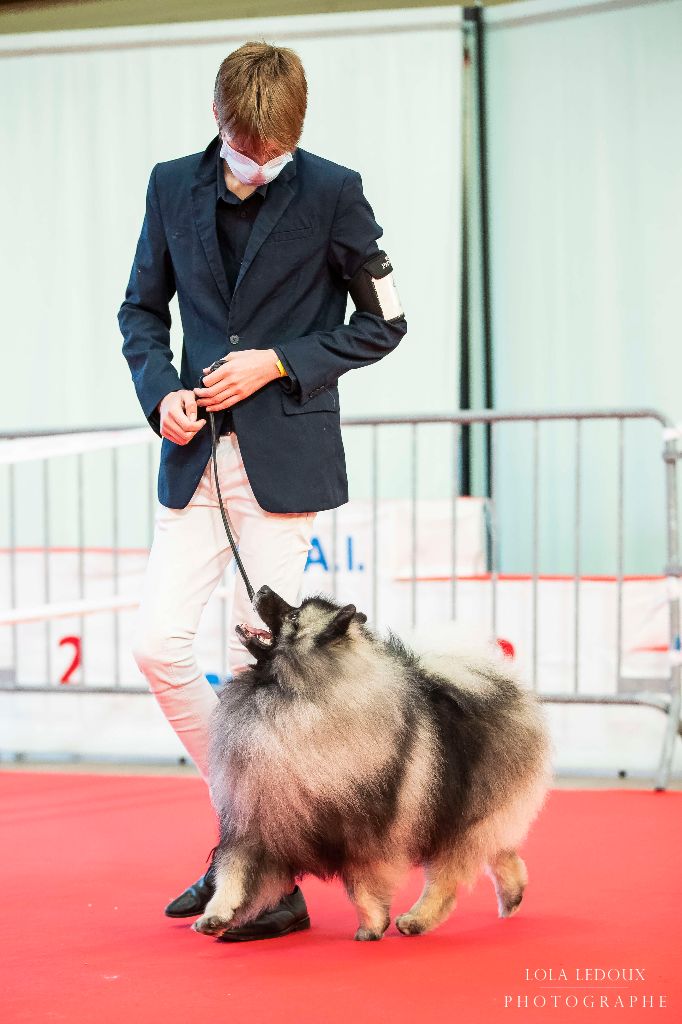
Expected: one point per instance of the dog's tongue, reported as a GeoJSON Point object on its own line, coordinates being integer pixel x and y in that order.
{"type": "Point", "coordinates": [265, 634]}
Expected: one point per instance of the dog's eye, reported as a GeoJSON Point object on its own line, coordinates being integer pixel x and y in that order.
{"type": "Point", "coordinates": [293, 619]}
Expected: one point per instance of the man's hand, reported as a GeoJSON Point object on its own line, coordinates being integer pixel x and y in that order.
{"type": "Point", "coordinates": [241, 375]}
{"type": "Point", "coordinates": [178, 412]}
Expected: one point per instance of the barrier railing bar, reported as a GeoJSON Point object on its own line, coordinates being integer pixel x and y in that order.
{"type": "Point", "coordinates": [66, 609]}
{"type": "Point", "coordinates": [493, 416]}
{"type": "Point", "coordinates": [463, 416]}
{"type": "Point", "coordinates": [657, 702]}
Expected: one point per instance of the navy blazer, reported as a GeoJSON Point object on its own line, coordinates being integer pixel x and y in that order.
{"type": "Point", "coordinates": [313, 232]}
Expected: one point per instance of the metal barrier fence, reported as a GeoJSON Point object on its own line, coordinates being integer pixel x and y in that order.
{"type": "Point", "coordinates": [663, 695]}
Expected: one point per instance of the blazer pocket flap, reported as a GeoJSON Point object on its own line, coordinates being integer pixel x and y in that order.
{"type": "Point", "coordinates": [322, 401]}
{"type": "Point", "coordinates": [285, 235]}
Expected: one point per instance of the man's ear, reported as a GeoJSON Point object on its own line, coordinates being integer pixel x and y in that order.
{"type": "Point", "coordinates": [215, 113]}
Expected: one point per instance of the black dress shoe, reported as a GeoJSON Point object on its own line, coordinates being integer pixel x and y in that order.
{"type": "Point", "coordinates": [193, 900]}
{"type": "Point", "coordinates": [290, 915]}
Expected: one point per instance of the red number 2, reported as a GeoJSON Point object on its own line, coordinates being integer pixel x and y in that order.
{"type": "Point", "coordinates": [75, 663]}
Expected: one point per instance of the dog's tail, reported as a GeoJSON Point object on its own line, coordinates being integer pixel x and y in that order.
{"type": "Point", "coordinates": [454, 637]}
{"type": "Point", "coordinates": [453, 648]}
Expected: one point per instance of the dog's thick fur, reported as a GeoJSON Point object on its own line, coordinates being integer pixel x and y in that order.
{"type": "Point", "coordinates": [342, 753]}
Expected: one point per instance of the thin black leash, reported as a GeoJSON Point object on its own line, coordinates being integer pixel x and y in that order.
{"type": "Point", "coordinates": [226, 521]}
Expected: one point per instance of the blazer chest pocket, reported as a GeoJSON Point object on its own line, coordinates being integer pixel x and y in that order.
{"type": "Point", "coordinates": [288, 235]}
{"type": "Point", "coordinates": [324, 400]}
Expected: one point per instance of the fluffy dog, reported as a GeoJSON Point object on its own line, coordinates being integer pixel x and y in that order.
{"type": "Point", "coordinates": [343, 753]}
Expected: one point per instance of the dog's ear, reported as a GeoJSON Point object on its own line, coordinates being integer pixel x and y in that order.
{"type": "Point", "coordinates": [361, 617]}
{"type": "Point", "coordinates": [338, 625]}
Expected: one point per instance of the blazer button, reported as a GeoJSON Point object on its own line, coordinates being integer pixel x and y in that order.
{"type": "Point", "coordinates": [234, 338]}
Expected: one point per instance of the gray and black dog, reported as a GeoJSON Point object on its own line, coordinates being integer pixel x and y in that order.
{"type": "Point", "coordinates": [341, 753]}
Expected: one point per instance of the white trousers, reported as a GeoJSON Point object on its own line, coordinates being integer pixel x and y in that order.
{"type": "Point", "coordinates": [189, 554]}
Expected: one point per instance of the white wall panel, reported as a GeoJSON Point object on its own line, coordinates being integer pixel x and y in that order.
{"type": "Point", "coordinates": [586, 221]}
{"type": "Point", "coordinates": [87, 114]}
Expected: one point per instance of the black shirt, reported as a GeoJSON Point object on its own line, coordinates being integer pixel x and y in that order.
{"type": "Point", "coordinates": [234, 219]}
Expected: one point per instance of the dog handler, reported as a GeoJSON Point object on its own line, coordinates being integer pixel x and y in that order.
{"type": "Point", "coordinates": [262, 242]}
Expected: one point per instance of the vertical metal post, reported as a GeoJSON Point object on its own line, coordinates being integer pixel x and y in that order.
{"type": "Point", "coordinates": [576, 589]}
{"type": "Point", "coordinates": [375, 507]}
{"type": "Point", "coordinates": [494, 534]}
{"type": "Point", "coordinates": [413, 464]}
{"type": "Point", "coordinates": [223, 661]}
{"type": "Point", "coordinates": [536, 546]}
{"type": "Point", "coordinates": [46, 566]}
{"type": "Point", "coordinates": [475, 163]}
{"type": "Point", "coordinates": [334, 551]}
{"type": "Point", "coordinates": [116, 561]}
{"type": "Point", "coordinates": [152, 496]}
{"type": "Point", "coordinates": [674, 574]}
{"type": "Point", "coordinates": [479, 15]}
{"type": "Point", "coordinates": [456, 440]}
{"type": "Point", "coordinates": [464, 397]}
{"type": "Point", "coordinates": [12, 540]}
{"type": "Point", "coordinates": [80, 540]}
{"type": "Point", "coordinates": [619, 551]}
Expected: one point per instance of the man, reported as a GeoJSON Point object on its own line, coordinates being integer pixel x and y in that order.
{"type": "Point", "coordinates": [263, 242]}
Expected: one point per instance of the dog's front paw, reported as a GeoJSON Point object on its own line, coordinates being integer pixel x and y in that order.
{"type": "Point", "coordinates": [211, 924]}
{"type": "Point", "coordinates": [509, 904]}
{"type": "Point", "coordinates": [365, 935]}
{"type": "Point", "coordinates": [408, 924]}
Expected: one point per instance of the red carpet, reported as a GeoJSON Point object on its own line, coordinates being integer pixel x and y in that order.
{"type": "Point", "coordinates": [90, 861]}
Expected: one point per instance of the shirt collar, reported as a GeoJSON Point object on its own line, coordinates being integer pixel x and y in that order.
{"type": "Point", "coordinates": [223, 191]}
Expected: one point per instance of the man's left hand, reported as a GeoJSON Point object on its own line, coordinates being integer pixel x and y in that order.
{"type": "Point", "coordinates": [242, 374]}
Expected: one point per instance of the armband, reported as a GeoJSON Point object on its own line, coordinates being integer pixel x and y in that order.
{"type": "Point", "coordinates": [372, 288]}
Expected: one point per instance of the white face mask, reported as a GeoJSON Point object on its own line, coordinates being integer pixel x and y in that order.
{"type": "Point", "coordinates": [248, 171]}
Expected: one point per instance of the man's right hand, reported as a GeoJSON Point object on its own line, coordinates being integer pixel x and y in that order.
{"type": "Point", "coordinates": [178, 413]}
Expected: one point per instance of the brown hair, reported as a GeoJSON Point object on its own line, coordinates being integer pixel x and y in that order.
{"type": "Point", "coordinates": [261, 95]}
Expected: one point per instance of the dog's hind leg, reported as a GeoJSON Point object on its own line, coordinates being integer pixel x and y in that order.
{"type": "Point", "coordinates": [437, 900]}
{"type": "Point", "coordinates": [510, 877]}
{"type": "Point", "coordinates": [370, 889]}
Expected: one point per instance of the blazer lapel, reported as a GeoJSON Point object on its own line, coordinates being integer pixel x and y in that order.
{"type": "Point", "coordinates": [280, 192]}
{"type": "Point", "coordinates": [204, 198]}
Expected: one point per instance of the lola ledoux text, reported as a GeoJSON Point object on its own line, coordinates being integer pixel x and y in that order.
{"type": "Point", "coordinates": [586, 988]}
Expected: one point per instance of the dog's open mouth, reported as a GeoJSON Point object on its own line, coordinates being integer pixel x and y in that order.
{"type": "Point", "coordinates": [250, 633]}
